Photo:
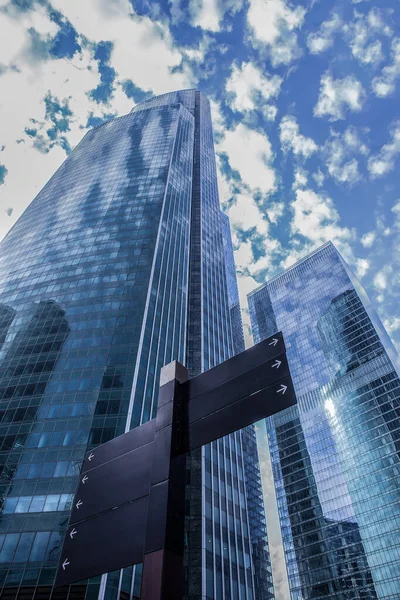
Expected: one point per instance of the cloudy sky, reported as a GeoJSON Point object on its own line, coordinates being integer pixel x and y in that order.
{"type": "Point", "coordinates": [305, 98]}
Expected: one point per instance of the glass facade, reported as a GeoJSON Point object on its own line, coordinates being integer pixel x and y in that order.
{"type": "Point", "coordinates": [335, 456]}
{"type": "Point", "coordinates": [233, 292]}
{"type": "Point", "coordinates": [115, 269]}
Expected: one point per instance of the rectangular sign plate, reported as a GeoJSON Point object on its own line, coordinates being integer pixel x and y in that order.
{"type": "Point", "coordinates": [104, 543]}
{"type": "Point", "coordinates": [241, 386]}
{"type": "Point", "coordinates": [246, 411]}
{"type": "Point", "coordinates": [116, 482]}
{"type": "Point", "coordinates": [235, 366]}
{"type": "Point", "coordinates": [120, 445]}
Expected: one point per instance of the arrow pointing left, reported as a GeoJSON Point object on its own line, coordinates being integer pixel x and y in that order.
{"type": "Point", "coordinates": [72, 533]}
{"type": "Point", "coordinates": [65, 564]}
{"type": "Point", "coordinates": [78, 504]}
{"type": "Point", "coordinates": [90, 456]}
{"type": "Point", "coordinates": [85, 478]}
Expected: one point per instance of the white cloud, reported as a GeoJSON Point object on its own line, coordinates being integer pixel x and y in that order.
{"type": "Point", "coordinates": [338, 95]}
{"type": "Point", "coordinates": [246, 263]}
{"type": "Point", "coordinates": [362, 34]}
{"type": "Point", "coordinates": [208, 14]}
{"type": "Point", "coordinates": [392, 324]}
{"type": "Point", "coordinates": [381, 279]}
{"type": "Point", "coordinates": [339, 151]}
{"type": "Point", "coordinates": [275, 211]}
{"type": "Point", "coordinates": [269, 111]}
{"type": "Point", "coordinates": [292, 139]}
{"type": "Point", "coordinates": [23, 92]}
{"type": "Point", "coordinates": [323, 39]}
{"type": "Point", "coordinates": [246, 214]}
{"type": "Point", "coordinates": [273, 24]}
{"type": "Point", "coordinates": [385, 84]}
{"type": "Point", "coordinates": [362, 267]}
{"type": "Point", "coordinates": [22, 99]}
{"type": "Point", "coordinates": [149, 42]}
{"type": "Point", "coordinates": [384, 162]}
{"type": "Point", "coordinates": [316, 218]}
{"type": "Point", "coordinates": [250, 87]}
{"type": "Point", "coordinates": [368, 239]}
{"type": "Point", "coordinates": [250, 153]}
{"type": "Point", "coordinates": [217, 117]}
{"type": "Point", "coordinates": [300, 179]}
{"type": "Point", "coordinates": [319, 178]}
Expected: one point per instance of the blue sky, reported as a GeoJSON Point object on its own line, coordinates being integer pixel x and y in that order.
{"type": "Point", "coordinates": [304, 96]}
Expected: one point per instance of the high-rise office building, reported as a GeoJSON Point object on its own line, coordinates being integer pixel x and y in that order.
{"type": "Point", "coordinates": [115, 269]}
{"type": "Point", "coordinates": [336, 455]}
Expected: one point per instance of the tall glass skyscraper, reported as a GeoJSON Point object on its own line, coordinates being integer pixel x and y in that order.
{"type": "Point", "coordinates": [336, 455]}
{"type": "Point", "coordinates": [115, 269]}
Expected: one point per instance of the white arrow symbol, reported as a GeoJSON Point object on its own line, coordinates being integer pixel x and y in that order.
{"type": "Point", "coordinates": [78, 504]}
{"type": "Point", "coordinates": [85, 479]}
{"type": "Point", "coordinates": [65, 564]}
{"type": "Point", "coordinates": [72, 533]}
{"type": "Point", "coordinates": [282, 389]}
{"type": "Point", "coordinates": [277, 364]}
{"type": "Point", "coordinates": [91, 456]}
{"type": "Point", "coordinates": [274, 342]}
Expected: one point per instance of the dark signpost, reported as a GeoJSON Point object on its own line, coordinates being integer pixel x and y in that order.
{"type": "Point", "coordinates": [130, 504]}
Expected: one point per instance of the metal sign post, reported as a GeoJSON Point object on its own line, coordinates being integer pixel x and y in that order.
{"type": "Point", "coordinates": [130, 504]}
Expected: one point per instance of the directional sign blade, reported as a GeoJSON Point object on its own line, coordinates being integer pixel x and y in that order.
{"type": "Point", "coordinates": [252, 408]}
{"type": "Point", "coordinates": [240, 387]}
{"type": "Point", "coordinates": [113, 483]}
{"type": "Point", "coordinates": [120, 445]}
{"type": "Point", "coordinates": [106, 542]}
{"type": "Point", "coordinates": [232, 368]}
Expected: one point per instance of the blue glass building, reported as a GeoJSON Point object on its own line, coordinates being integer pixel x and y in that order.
{"type": "Point", "coordinates": [115, 269]}
{"type": "Point", "coordinates": [335, 456]}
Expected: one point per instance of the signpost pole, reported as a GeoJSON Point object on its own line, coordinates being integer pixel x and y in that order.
{"type": "Point", "coordinates": [164, 538]}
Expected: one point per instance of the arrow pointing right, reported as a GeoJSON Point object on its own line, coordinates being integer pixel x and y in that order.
{"type": "Point", "coordinates": [274, 342]}
{"type": "Point", "coordinates": [65, 564]}
{"type": "Point", "coordinates": [277, 364]}
{"type": "Point", "coordinates": [282, 389]}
